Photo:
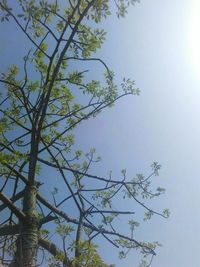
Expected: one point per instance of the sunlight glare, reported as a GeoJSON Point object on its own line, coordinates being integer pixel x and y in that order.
{"type": "Point", "coordinates": [194, 38]}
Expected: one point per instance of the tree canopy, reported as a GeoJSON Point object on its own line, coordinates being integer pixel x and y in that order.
{"type": "Point", "coordinates": [42, 101]}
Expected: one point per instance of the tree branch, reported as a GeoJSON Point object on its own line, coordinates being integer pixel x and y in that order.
{"type": "Point", "coordinates": [12, 207]}
{"type": "Point", "coordinates": [55, 251]}
{"type": "Point", "coordinates": [13, 199]}
{"type": "Point", "coordinates": [9, 230]}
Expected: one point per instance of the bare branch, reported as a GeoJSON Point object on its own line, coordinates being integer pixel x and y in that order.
{"type": "Point", "coordinates": [55, 251]}
{"type": "Point", "coordinates": [13, 199]}
{"type": "Point", "coordinates": [12, 207]}
{"type": "Point", "coordinates": [9, 230]}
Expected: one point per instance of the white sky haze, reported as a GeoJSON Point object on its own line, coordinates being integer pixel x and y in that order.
{"type": "Point", "coordinates": [157, 45]}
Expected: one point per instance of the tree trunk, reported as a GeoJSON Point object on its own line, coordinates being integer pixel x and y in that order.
{"type": "Point", "coordinates": [27, 243]}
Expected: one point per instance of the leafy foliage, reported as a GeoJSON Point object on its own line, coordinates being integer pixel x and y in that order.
{"type": "Point", "coordinates": [41, 103]}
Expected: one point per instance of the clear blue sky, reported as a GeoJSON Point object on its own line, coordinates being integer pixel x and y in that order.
{"type": "Point", "coordinates": [157, 46]}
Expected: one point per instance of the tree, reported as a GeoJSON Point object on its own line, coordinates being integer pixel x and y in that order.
{"type": "Point", "coordinates": [41, 106]}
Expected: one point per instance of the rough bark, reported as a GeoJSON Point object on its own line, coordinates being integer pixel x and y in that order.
{"type": "Point", "coordinates": [27, 243]}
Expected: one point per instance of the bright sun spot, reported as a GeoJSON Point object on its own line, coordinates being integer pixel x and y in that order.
{"type": "Point", "coordinates": [194, 38]}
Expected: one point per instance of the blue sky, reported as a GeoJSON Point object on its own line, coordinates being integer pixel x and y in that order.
{"type": "Point", "coordinates": [157, 46]}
